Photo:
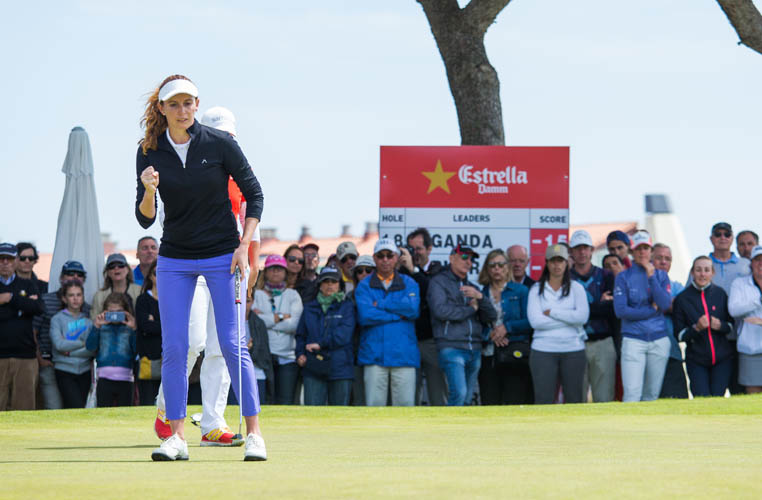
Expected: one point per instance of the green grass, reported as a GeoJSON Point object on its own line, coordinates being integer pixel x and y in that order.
{"type": "Point", "coordinates": [699, 449]}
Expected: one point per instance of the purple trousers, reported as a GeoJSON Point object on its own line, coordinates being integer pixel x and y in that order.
{"type": "Point", "coordinates": [176, 283]}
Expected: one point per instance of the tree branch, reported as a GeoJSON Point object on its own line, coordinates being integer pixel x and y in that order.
{"type": "Point", "coordinates": [746, 20]}
{"type": "Point", "coordinates": [482, 13]}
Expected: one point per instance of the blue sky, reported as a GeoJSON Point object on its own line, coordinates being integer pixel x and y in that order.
{"type": "Point", "coordinates": [652, 96]}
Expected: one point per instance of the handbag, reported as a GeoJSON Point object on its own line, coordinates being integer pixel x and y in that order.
{"type": "Point", "coordinates": [149, 369]}
{"type": "Point", "coordinates": [318, 363]}
{"type": "Point", "coordinates": [515, 353]}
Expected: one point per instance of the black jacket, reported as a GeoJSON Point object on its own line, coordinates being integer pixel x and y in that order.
{"type": "Point", "coordinates": [199, 221]}
{"type": "Point", "coordinates": [149, 326]}
{"type": "Point", "coordinates": [423, 329]}
{"type": "Point", "coordinates": [702, 347]}
{"type": "Point", "coordinates": [16, 335]}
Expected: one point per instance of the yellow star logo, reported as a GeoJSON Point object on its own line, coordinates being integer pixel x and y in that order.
{"type": "Point", "coordinates": [438, 178]}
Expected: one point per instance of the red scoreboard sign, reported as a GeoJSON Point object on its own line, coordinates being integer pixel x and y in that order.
{"type": "Point", "coordinates": [485, 197]}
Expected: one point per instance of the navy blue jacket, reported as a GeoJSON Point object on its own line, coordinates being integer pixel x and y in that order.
{"type": "Point", "coordinates": [333, 331]}
{"type": "Point", "coordinates": [199, 221]}
{"type": "Point", "coordinates": [388, 321]}
{"type": "Point", "coordinates": [703, 347]}
{"type": "Point", "coordinates": [602, 315]}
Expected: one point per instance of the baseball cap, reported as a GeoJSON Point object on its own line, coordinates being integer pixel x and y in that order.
{"type": "Point", "coordinates": [557, 250]}
{"type": "Point", "coordinates": [275, 260]}
{"type": "Point", "coordinates": [219, 118]}
{"type": "Point", "coordinates": [365, 260]}
{"type": "Point", "coordinates": [385, 244]}
{"type": "Point", "coordinates": [179, 86]}
{"type": "Point", "coordinates": [346, 248]}
{"type": "Point", "coordinates": [116, 258]}
{"type": "Point", "coordinates": [641, 238]}
{"type": "Point", "coordinates": [722, 225]}
{"type": "Point", "coordinates": [8, 249]}
{"type": "Point", "coordinates": [311, 245]}
{"type": "Point", "coordinates": [756, 252]}
{"type": "Point", "coordinates": [329, 273]}
{"type": "Point", "coordinates": [73, 266]}
{"type": "Point", "coordinates": [580, 237]}
{"type": "Point", "coordinates": [463, 250]}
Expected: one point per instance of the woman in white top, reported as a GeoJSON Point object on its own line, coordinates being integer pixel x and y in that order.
{"type": "Point", "coordinates": [280, 308]}
{"type": "Point", "coordinates": [745, 305]}
{"type": "Point", "coordinates": [557, 309]}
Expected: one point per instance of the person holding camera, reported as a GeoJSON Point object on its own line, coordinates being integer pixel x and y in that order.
{"type": "Point", "coordinates": [117, 278]}
{"type": "Point", "coordinates": [324, 343]}
{"type": "Point", "coordinates": [114, 342]}
{"type": "Point", "coordinates": [459, 314]}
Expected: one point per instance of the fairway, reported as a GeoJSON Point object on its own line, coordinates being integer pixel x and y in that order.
{"type": "Point", "coordinates": [698, 449]}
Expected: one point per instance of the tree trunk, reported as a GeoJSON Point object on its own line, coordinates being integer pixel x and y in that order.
{"type": "Point", "coordinates": [746, 20]}
{"type": "Point", "coordinates": [474, 84]}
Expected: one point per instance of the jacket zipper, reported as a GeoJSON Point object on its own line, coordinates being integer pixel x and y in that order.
{"type": "Point", "coordinates": [709, 328]}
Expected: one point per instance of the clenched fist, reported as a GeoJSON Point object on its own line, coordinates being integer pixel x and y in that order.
{"type": "Point", "coordinates": [150, 179]}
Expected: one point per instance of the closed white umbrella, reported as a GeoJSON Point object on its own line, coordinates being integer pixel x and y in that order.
{"type": "Point", "coordinates": [78, 236]}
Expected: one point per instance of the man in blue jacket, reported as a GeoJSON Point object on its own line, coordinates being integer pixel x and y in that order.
{"type": "Point", "coordinates": [459, 312]}
{"type": "Point", "coordinates": [387, 305]}
{"type": "Point", "coordinates": [641, 296]}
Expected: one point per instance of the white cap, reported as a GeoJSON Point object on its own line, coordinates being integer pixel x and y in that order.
{"type": "Point", "coordinates": [385, 244]}
{"type": "Point", "coordinates": [580, 237]}
{"type": "Point", "coordinates": [756, 252]}
{"type": "Point", "coordinates": [179, 86]}
{"type": "Point", "coordinates": [641, 238]}
{"type": "Point", "coordinates": [219, 118]}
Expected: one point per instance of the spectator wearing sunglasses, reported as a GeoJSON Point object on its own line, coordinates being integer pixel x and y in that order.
{"type": "Point", "coordinates": [25, 260]}
{"type": "Point", "coordinates": [387, 305]}
{"type": "Point", "coordinates": [504, 377]}
{"type": "Point", "coordinates": [296, 273]}
{"type": "Point", "coordinates": [72, 270]}
{"type": "Point", "coordinates": [599, 346]}
{"type": "Point", "coordinates": [459, 314]}
{"type": "Point", "coordinates": [419, 241]}
{"type": "Point", "coordinates": [117, 278]}
{"type": "Point", "coordinates": [364, 267]}
{"type": "Point", "coordinates": [346, 254]}
{"type": "Point", "coordinates": [311, 261]}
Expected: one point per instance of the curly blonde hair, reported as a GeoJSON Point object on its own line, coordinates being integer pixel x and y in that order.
{"type": "Point", "coordinates": [153, 121]}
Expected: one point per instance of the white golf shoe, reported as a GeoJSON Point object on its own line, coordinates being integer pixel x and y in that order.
{"type": "Point", "coordinates": [255, 448]}
{"type": "Point", "coordinates": [173, 448]}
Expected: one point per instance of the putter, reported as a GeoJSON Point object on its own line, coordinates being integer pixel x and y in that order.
{"type": "Point", "coordinates": [238, 321]}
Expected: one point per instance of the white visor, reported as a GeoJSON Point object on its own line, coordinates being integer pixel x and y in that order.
{"type": "Point", "coordinates": [175, 87]}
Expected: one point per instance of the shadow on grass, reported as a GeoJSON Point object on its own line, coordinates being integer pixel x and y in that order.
{"type": "Point", "coordinates": [100, 461]}
{"type": "Point", "coordinates": [104, 447]}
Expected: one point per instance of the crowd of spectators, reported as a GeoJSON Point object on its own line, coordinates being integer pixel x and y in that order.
{"type": "Point", "coordinates": [398, 328]}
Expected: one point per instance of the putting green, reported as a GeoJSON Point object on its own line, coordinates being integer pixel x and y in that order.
{"type": "Point", "coordinates": [702, 448]}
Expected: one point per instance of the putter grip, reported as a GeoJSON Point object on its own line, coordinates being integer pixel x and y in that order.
{"type": "Point", "coordinates": [237, 285]}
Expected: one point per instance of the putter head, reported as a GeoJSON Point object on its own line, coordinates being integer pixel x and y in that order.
{"type": "Point", "coordinates": [196, 419]}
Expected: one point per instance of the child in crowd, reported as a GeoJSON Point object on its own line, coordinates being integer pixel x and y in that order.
{"type": "Point", "coordinates": [114, 341]}
{"type": "Point", "coordinates": [69, 330]}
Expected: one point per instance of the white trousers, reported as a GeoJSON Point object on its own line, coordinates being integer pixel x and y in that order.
{"type": "Point", "coordinates": [215, 378]}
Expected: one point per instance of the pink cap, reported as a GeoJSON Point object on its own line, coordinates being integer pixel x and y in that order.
{"type": "Point", "coordinates": [275, 260]}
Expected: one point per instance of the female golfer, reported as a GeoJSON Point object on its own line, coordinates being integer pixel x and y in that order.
{"type": "Point", "coordinates": [190, 165]}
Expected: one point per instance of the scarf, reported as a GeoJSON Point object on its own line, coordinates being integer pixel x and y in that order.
{"type": "Point", "coordinates": [325, 301]}
{"type": "Point", "coordinates": [275, 290]}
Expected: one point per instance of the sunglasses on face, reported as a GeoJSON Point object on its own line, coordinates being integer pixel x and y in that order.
{"type": "Point", "coordinates": [364, 270]}
{"type": "Point", "coordinates": [465, 256]}
{"type": "Point", "coordinates": [310, 255]}
{"type": "Point", "coordinates": [115, 266]}
{"type": "Point", "coordinates": [722, 234]}
{"type": "Point", "coordinates": [385, 255]}
{"type": "Point", "coordinates": [291, 258]}
{"type": "Point", "coordinates": [348, 257]}
{"type": "Point", "coordinates": [75, 274]}
{"type": "Point", "coordinates": [27, 258]}
{"type": "Point", "coordinates": [493, 265]}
